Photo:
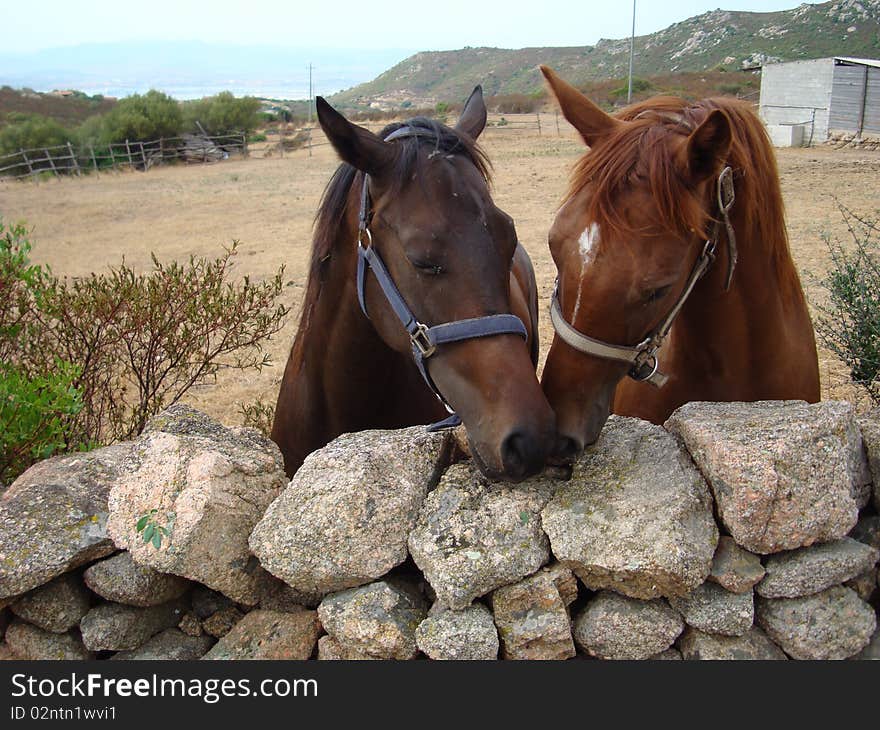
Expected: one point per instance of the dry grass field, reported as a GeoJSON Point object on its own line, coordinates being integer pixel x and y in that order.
{"type": "Point", "coordinates": [85, 224]}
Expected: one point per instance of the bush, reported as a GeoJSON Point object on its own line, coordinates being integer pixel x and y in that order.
{"type": "Point", "coordinates": [849, 325]}
{"type": "Point", "coordinates": [222, 114]}
{"type": "Point", "coordinates": [138, 118]}
{"type": "Point", "coordinates": [137, 342]}
{"type": "Point", "coordinates": [515, 104]}
{"type": "Point", "coordinates": [259, 415]}
{"type": "Point", "coordinates": [638, 86]}
{"type": "Point", "coordinates": [33, 413]}
{"type": "Point", "coordinates": [31, 132]}
{"type": "Point", "coordinates": [36, 397]}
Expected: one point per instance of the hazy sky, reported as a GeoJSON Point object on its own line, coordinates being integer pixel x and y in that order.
{"type": "Point", "coordinates": [421, 24]}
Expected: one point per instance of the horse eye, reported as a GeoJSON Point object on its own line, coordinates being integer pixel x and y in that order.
{"type": "Point", "coordinates": [426, 267]}
{"type": "Point", "coordinates": [657, 294]}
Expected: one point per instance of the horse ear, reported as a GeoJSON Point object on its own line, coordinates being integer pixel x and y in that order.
{"type": "Point", "coordinates": [587, 118]}
{"type": "Point", "coordinates": [708, 147]}
{"type": "Point", "coordinates": [357, 146]}
{"type": "Point", "coordinates": [473, 117]}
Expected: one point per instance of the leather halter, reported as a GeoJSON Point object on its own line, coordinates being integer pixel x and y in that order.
{"type": "Point", "coordinates": [424, 339]}
{"type": "Point", "coordinates": [642, 358]}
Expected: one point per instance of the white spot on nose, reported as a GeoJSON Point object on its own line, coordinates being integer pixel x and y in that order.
{"type": "Point", "coordinates": [588, 243]}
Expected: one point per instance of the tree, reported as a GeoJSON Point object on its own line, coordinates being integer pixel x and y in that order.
{"type": "Point", "coordinates": [142, 118]}
{"type": "Point", "coordinates": [223, 113]}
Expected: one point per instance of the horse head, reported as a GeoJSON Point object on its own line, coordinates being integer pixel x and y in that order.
{"type": "Point", "coordinates": [427, 219]}
{"type": "Point", "coordinates": [629, 243]}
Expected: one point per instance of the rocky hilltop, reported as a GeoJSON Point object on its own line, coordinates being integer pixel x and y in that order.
{"type": "Point", "coordinates": [717, 39]}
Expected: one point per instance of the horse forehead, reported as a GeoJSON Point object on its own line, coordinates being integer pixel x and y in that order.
{"type": "Point", "coordinates": [588, 243]}
{"type": "Point", "coordinates": [444, 191]}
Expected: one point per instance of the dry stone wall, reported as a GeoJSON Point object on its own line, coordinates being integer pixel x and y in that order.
{"type": "Point", "coordinates": [736, 531]}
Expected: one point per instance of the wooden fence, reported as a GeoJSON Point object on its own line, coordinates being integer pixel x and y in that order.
{"type": "Point", "coordinates": [64, 159]}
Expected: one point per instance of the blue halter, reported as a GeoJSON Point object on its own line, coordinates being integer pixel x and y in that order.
{"type": "Point", "coordinates": [424, 339]}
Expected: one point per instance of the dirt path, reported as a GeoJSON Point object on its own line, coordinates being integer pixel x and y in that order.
{"type": "Point", "coordinates": [84, 225]}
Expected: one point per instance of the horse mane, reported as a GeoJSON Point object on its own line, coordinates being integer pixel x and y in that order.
{"type": "Point", "coordinates": [335, 199]}
{"type": "Point", "coordinates": [635, 152]}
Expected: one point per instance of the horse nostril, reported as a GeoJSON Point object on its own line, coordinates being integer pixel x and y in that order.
{"type": "Point", "coordinates": [521, 456]}
{"type": "Point", "coordinates": [566, 450]}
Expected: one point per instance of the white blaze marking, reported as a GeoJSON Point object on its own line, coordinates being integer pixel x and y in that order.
{"type": "Point", "coordinates": [588, 243]}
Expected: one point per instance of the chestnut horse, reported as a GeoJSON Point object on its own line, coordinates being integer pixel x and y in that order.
{"type": "Point", "coordinates": [673, 268]}
{"type": "Point", "coordinates": [419, 299]}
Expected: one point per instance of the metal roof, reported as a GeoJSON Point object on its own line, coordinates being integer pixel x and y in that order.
{"type": "Point", "coordinates": [859, 61]}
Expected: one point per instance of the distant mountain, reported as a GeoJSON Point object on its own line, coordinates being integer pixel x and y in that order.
{"type": "Point", "coordinates": [721, 38]}
{"type": "Point", "coordinates": [191, 69]}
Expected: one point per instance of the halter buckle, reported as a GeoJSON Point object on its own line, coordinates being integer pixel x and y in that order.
{"type": "Point", "coordinates": [640, 372]}
{"type": "Point", "coordinates": [422, 341]}
{"type": "Point", "coordinates": [365, 238]}
{"type": "Point", "coordinates": [726, 191]}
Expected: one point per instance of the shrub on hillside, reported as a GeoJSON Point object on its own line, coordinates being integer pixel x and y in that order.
{"type": "Point", "coordinates": [515, 103]}
{"type": "Point", "coordinates": [222, 114]}
{"type": "Point", "coordinates": [30, 132]}
{"type": "Point", "coordinates": [140, 117]}
{"type": "Point", "coordinates": [638, 86]}
{"type": "Point", "coordinates": [849, 325]}
{"type": "Point", "coordinates": [95, 357]}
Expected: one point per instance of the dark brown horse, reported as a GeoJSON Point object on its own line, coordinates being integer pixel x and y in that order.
{"type": "Point", "coordinates": [439, 274]}
{"type": "Point", "coordinates": [646, 246]}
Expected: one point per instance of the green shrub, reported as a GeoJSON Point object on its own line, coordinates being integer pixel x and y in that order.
{"type": "Point", "coordinates": [33, 415]}
{"type": "Point", "coordinates": [259, 415]}
{"type": "Point", "coordinates": [32, 132]}
{"type": "Point", "coordinates": [140, 118]}
{"type": "Point", "coordinates": [222, 114]}
{"type": "Point", "coordinates": [37, 396]}
{"type": "Point", "coordinates": [638, 86]}
{"type": "Point", "coordinates": [90, 360]}
{"type": "Point", "coordinates": [849, 325]}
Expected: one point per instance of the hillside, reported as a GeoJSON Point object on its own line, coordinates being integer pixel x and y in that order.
{"type": "Point", "coordinates": [67, 110]}
{"type": "Point", "coordinates": [717, 39]}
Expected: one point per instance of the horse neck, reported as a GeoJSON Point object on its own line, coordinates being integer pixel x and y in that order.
{"type": "Point", "coordinates": [763, 290]}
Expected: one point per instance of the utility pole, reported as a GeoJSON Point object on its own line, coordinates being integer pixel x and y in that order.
{"type": "Point", "coordinates": [632, 42]}
{"type": "Point", "coordinates": [310, 109]}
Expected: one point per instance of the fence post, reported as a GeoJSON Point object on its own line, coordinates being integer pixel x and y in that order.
{"type": "Point", "coordinates": [143, 157]}
{"type": "Point", "coordinates": [25, 157]}
{"type": "Point", "coordinates": [94, 160]}
{"type": "Point", "coordinates": [128, 152]}
{"type": "Point", "coordinates": [112, 156]}
{"type": "Point", "coordinates": [244, 146]}
{"type": "Point", "coordinates": [75, 161]}
{"type": "Point", "coordinates": [51, 161]}
{"type": "Point", "coordinates": [538, 116]}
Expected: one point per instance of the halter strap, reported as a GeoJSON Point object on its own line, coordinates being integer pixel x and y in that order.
{"type": "Point", "coordinates": [642, 358]}
{"type": "Point", "coordinates": [424, 339]}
